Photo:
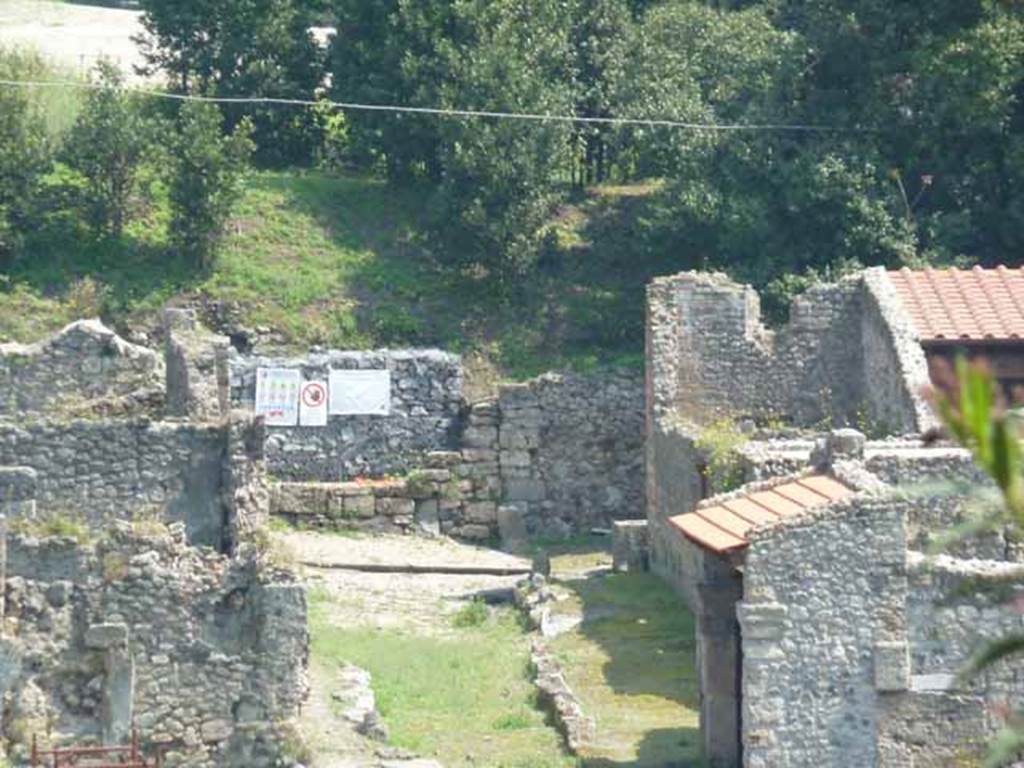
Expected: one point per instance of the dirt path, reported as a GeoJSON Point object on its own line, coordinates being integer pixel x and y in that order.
{"type": "Point", "coordinates": [419, 604]}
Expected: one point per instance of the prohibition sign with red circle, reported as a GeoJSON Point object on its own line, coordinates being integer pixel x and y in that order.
{"type": "Point", "coordinates": [314, 395]}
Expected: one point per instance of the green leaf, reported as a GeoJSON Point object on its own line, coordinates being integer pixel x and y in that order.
{"type": "Point", "coordinates": [1007, 745]}
{"type": "Point", "coordinates": [996, 650]}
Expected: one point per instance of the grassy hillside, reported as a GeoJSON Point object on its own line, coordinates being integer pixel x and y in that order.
{"type": "Point", "coordinates": [338, 260]}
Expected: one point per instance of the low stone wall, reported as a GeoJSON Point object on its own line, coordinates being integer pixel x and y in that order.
{"type": "Point", "coordinates": [86, 361]}
{"type": "Point", "coordinates": [552, 456]}
{"type": "Point", "coordinates": [205, 655]}
{"type": "Point", "coordinates": [426, 412]}
{"type": "Point", "coordinates": [122, 469]}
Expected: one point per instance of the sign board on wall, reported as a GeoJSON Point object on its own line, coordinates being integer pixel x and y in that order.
{"type": "Point", "coordinates": [313, 404]}
{"type": "Point", "coordinates": [360, 393]}
{"type": "Point", "coordinates": [277, 395]}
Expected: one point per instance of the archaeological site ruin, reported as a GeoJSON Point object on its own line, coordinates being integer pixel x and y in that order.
{"type": "Point", "coordinates": [777, 479]}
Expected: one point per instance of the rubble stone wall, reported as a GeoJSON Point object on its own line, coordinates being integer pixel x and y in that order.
{"type": "Point", "coordinates": [123, 469]}
{"type": "Point", "coordinates": [83, 362]}
{"type": "Point", "coordinates": [551, 456]}
{"type": "Point", "coordinates": [822, 612]}
{"type": "Point", "coordinates": [868, 637]}
{"type": "Point", "coordinates": [426, 413]}
{"type": "Point", "coordinates": [206, 655]}
{"type": "Point", "coordinates": [847, 355]}
{"type": "Point", "coordinates": [571, 450]}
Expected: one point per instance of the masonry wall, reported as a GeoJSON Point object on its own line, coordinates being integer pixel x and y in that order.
{"type": "Point", "coordinates": [551, 456]}
{"type": "Point", "coordinates": [894, 371]}
{"type": "Point", "coordinates": [123, 469]}
{"type": "Point", "coordinates": [847, 354]}
{"type": "Point", "coordinates": [426, 412]}
{"type": "Point", "coordinates": [570, 450]}
{"type": "Point", "coordinates": [206, 655]}
{"type": "Point", "coordinates": [823, 627]}
{"type": "Point", "coordinates": [942, 720]}
{"type": "Point", "coordinates": [85, 361]}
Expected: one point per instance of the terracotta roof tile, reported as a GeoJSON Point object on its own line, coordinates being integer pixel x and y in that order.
{"type": "Point", "coordinates": [963, 304]}
{"type": "Point", "coordinates": [723, 526]}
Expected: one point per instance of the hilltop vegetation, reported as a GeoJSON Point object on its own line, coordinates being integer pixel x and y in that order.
{"type": "Point", "coordinates": [528, 241]}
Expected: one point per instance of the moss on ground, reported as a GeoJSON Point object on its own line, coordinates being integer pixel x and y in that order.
{"type": "Point", "coordinates": [631, 662]}
{"type": "Point", "coordinates": [464, 697]}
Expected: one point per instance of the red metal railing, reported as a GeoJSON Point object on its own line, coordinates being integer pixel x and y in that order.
{"type": "Point", "coordinates": [129, 756]}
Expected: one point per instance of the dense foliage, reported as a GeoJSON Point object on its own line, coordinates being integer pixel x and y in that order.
{"type": "Point", "coordinates": [233, 48]}
{"type": "Point", "coordinates": [921, 158]}
{"type": "Point", "coordinates": [120, 158]}
{"type": "Point", "coordinates": [855, 131]}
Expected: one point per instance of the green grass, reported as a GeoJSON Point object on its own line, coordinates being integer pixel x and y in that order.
{"type": "Point", "coordinates": [339, 260]}
{"type": "Point", "coordinates": [632, 664]}
{"type": "Point", "coordinates": [464, 698]}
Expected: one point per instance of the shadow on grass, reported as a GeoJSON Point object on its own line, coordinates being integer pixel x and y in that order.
{"type": "Point", "coordinates": [647, 640]}
{"type": "Point", "coordinates": [583, 306]}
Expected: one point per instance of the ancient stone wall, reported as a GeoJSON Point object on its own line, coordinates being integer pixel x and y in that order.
{"type": "Point", "coordinates": [84, 362]}
{"type": "Point", "coordinates": [552, 456]}
{"type": "Point", "coordinates": [846, 356]}
{"type": "Point", "coordinates": [570, 449]}
{"type": "Point", "coordinates": [894, 373]}
{"type": "Point", "coordinates": [205, 655]}
{"type": "Point", "coordinates": [426, 410]}
{"type": "Point", "coordinates": [824, 631]}
{"type": "Point", "coordinates": [98, 470]}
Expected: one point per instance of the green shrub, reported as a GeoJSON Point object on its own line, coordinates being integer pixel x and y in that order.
{"type": "Point", "coordinates": [720, 441]}
{"type": "Point", "coordinates": [472, 614]}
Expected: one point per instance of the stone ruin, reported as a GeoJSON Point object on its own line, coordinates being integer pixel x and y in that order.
{"type": "Point", "coordinates": [827, 633]}
{"type": "Point", "coordinates": [135, 485]}
{"type": "Point", "coordinates": [137, 588]}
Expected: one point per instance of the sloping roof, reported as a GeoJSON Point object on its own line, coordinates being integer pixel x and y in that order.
{"type": "Point", "coordinates": [968, 305]}
{"type": "Point", "coordinates": [722, 526]}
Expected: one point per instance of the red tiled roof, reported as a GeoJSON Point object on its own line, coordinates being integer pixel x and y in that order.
{"type": "Point", "coordinates": [963, 304]}
{"type": "Point", "coordinates": [723, 526]}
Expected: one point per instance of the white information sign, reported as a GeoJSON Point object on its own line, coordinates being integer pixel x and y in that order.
{"type": "Point", "coordinates": [313, 404]}
{"type": "Point", "coordinates": [277, 395]}
{"type": "Point", "coordinates": [361, 392]}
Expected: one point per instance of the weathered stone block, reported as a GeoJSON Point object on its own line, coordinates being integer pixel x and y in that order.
{"type": "Point", "coordinates": [481, 511]}
{"type": "Point", "coordinates": [474, 532]}
{"type": "Point", "coordinates": [512, 526]}
{"type": "Point", "coordinates": [630, 545]}
{"type": "Point", "coordinates": [104, 636]}
{"type": "Point", "coordinates": [390, 506]}
{"type": "Point", "coordinates": [428, 516]}
{"type": "Point", "coordinates": [360, 506]}
{"type": "Point", "coordinates": [524, 490]}
{"type": "Point", "coordinates": [892, 666]}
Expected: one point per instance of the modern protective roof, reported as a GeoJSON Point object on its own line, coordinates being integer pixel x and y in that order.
{"type": "Point", "coordinates": [722, 525]}
{"type": "Point", "coordinates": [965, 305]}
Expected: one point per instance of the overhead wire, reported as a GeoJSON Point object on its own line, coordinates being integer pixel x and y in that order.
{"type": "Point", "coordinates": [448, 113]}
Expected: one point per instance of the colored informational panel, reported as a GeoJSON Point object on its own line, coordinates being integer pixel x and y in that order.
{"type": "Point", "coordinates": [356, 393]}
{"type": "Point", "coordinates": [313, 404]}
{"type": "Point", "coordinates": [277, 395]}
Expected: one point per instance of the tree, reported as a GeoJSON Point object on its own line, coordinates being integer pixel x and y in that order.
{"type": "Point", "coordinates": [600, 33]}
{"type": "Point", "coordinates": [239, 48]}
{"type": "Point", "coordinates": [107, 145]}
{"type": "Point", "coordinates": [499, 177]}
{"type": "Point", "coordinates": [24, 149]}
{"type": "Point", "coordinates": [205, 181]}
{"type": "Point", "coordinates": [387, 53]}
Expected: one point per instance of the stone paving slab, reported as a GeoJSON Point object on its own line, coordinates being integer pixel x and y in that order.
{"type": "Point", "coordinates": [410, 554]}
